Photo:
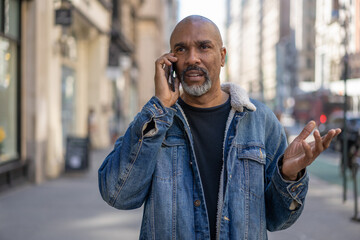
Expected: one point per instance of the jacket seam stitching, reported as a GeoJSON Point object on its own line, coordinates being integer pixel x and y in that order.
{"type": "Point", "coordinates": [174, 195]}
{"type": "Point", "coordinates": [129, 172]}
{"type": "Point", "coordinates": [152, 223]}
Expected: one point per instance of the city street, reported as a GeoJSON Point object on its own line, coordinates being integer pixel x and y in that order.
{"type": "Point", "coordinates": [71, 208]}
{"type": "Point", "coordinates": [74, 74]}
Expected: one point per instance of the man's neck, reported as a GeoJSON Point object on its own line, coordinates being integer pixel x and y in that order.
{"type": "Point", "coordinates": [208, 100]}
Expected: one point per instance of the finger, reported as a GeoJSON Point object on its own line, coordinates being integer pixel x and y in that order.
{"type": "Point", "coordinates": [327, 134]}
{"type": "Point", "coordinates": [306, 131]}
{"type": "Point", "coordinates": [328, 138]}
{"type": "Point", "coordinates": [312, 145]}
{"type": "Point", "coordinates": [162, 63]}
{"type": "Point", "coordinates": [309, 156]}
{"type": "Point", "coordinates": [337, 132]}
{"type": "Point", "coordinates": [166, 59]}
{"type": "Point", "coordinates": [319, 146]}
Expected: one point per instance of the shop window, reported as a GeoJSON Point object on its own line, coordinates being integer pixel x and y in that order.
{"type": "Point", "coordinates": [9, 79]}
{"type": "Point", "coordinates": [13, 24]}
{"type": "Point", "coordinates": [8, 99]}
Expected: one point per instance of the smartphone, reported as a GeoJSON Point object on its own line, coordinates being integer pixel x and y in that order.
{"type": "Point", "coordinates": [172, 77]}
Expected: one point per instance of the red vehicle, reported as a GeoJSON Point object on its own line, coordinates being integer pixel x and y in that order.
{"type": "Point", "coordinates": [317, 106]}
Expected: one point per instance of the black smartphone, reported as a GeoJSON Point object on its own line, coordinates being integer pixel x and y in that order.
{"type": "Point", "coordinates": [172, 77]}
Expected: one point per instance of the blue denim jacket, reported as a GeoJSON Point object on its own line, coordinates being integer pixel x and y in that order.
{"type": "Point", "coordinates": [159, 169]}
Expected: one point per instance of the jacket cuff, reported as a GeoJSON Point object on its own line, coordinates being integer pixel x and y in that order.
{"type": "Point", "coordinates": [156, 117]}
{"type": "Point", "coordinates": [158, 110]}
{"type": "Point", "coordinates": [295, 190]}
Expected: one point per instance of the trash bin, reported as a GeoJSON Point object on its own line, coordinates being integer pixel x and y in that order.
{"type": "Point", "coordinates": [77, 154]}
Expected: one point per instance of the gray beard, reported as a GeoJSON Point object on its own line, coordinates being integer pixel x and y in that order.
{"type": "Point", "coordinates": [196, 91]}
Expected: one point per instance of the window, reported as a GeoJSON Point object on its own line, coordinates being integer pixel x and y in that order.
{"type": "Point", "coordinates": [335, 9]}
{"type": "Point", "coordinates": [9, 79]}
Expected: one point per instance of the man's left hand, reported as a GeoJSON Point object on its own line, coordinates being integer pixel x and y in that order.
{"type": "Point", "coordinates": [301, 154]}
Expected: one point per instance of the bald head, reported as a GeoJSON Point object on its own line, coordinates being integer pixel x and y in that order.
{"type": "Point", "coordinates": [197, 22]}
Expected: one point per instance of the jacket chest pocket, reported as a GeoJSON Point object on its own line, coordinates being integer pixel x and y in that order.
{"type": "Point", "coordinates": [170, 158]}
{"type": "Point", "coordinates": [250, 167]}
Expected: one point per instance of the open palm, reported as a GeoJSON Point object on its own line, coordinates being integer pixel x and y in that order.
{"type": "Point", "coordinates": [301, 154]}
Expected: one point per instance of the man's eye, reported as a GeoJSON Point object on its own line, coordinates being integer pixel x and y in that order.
{"type": "Point", "coordinates": [180, 49]}
{"type": "Point", "coordinates": [204, 46]}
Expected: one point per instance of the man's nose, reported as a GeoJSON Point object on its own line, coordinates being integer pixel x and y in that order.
{"type": "Point", "coordinates": [193, 57]}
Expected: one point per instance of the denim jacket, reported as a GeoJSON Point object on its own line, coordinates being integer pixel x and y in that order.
{"type": "Point", "coordinates": [158, 168]}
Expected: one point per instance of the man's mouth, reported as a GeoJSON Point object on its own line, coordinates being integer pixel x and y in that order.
{"type": "Point", "coordinates": [194, 75]}
{"type": "Point", "coordinates": [195, 80]}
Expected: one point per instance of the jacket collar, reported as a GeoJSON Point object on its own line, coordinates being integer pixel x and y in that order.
{"type": "Point", "coordinates": [239, 97]}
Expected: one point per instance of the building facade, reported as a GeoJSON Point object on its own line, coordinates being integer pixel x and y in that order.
{"type": "Point", "coordinates": [244, 42]}
{"type": "Point", "coordinates": [276, 48]}
{"type": "Point", "coordinates": [302, 21]}
{"type": "Point", "coordinates": [72, 68]}
{"type": "Point", "coordinates": [63, 65]}
{"type": "Point", "coordinates": [329, 50]}
{"type": "Point", "coordinates": [337, 40]}
{"type": "Point", "coordinates": [259, 33]}
{"type": "Point", "coordinates": [156, 20]}
{"type": "Point", "coordinates": [143, 29]}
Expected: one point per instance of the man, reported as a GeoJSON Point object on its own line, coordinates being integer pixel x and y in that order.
{"type": "Point", "coordinates": [207, 162]}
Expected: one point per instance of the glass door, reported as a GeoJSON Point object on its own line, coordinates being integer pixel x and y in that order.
{"type": "Point", "coordinates": [68, 102]}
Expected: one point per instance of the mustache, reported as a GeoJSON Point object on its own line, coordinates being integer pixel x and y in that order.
{"type": "Point", "coordinates": [194, 67]}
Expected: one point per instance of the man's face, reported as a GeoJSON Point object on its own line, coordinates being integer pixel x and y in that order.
{"type": "Point", "coordinates": [198, 47]}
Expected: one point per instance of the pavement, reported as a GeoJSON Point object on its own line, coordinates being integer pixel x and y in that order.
{"type": "Point", "coordinates": [67, 208]}
{"type": "Point", "coordinates": [70, 207]}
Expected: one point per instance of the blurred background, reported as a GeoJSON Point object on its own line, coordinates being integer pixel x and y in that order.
{"type": "Point", "coordinates": [74, 73]}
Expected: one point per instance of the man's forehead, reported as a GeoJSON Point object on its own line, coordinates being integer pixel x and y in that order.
{"type": "Point", "coordinates": [195, 29]}
{"type": "Point", "coordinates": [192, 34]}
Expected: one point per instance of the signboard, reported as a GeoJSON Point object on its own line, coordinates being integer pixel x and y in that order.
{"type": "Point", "coordinates": [77, 154]}
{"type": "Point", "coordinates": [63, 17]}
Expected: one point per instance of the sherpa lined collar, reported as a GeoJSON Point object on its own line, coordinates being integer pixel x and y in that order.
{"type": "Point", "coordinates": [239, 97]}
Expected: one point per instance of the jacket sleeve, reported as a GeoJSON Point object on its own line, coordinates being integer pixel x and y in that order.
{"type": "Point", "coordinates": [284, 199]}
{"type": "Point", "coordinates": [125, 175]}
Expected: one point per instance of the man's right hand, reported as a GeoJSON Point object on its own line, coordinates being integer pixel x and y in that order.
{"type": "Point", "coordinates": [162, 88]}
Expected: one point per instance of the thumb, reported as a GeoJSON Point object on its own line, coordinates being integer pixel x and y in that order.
{"type": "Point", "coordinates": [306, 131]}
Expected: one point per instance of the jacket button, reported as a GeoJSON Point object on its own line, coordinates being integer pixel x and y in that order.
{"type": "Point", "coordinates": [197, 203]}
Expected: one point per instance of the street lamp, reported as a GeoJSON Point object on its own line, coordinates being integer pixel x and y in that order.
{"type": "Point", "coordinates": [346, 162]}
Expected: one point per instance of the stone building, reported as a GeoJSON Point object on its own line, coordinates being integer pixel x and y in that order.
{"type": "Point", "coordinates": [338, 31]}
{"type": "Point", "coordinates": [255, 30]}
{"type": "Point", "coordinates": [72, 68]}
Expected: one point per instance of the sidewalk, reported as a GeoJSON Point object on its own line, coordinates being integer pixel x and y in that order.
{"type": "Point", "coordinates": [325, 216]}
{"type": "Point", "coordinates": [68, 208]}
{"type": "Point", "coordinates": [71, 208]}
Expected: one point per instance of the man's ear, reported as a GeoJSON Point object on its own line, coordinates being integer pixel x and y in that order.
{"type": "Point", "coordinates": [223, 56]}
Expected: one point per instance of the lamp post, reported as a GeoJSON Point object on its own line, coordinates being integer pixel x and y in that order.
{"type": "Point", "coordinates": [344, 159]}
{"type": "Point", "coordinates": [346, 162]}
{"type": "Point", "coordinates": [345, 137]}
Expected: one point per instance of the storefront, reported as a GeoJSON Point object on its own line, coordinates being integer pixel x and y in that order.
{"type": "Point", "coordinates": [64, 56]}
{"type": "Point", "coordinates": [9, 91]}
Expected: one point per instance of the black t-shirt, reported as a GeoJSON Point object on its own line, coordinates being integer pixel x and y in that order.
{"type": "Point", "coordinates": [208, 128]}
